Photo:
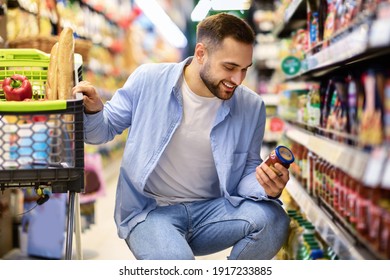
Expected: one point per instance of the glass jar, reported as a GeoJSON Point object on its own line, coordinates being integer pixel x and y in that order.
{"type": "Point", "coordinates": [282, 155]}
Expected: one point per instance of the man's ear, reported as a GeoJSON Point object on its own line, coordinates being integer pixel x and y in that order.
{"type": "Point", "coordinates": [200, 52]}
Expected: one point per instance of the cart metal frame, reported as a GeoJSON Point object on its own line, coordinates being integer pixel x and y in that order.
{"type": "Point", "coordinates": [65, 173]}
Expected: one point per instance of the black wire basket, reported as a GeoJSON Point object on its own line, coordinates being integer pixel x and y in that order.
{"type": "Point", "coordinates": [42, 145]}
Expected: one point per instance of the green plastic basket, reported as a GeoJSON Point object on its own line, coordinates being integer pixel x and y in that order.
{"type": "Point", "coordinates": [62, 166]}
{"type": "Point", "coordinates": [33, 64]}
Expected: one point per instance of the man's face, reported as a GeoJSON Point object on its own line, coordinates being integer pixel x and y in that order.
{"type": "Point", "coordinates": [225, 68]}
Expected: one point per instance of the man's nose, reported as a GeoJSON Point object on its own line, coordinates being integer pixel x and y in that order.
{"type": "Point", "coordinates": [237, 77]}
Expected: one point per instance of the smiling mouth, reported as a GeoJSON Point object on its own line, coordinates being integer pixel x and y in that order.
{"type": "Point", "coordinates": [228, 85]}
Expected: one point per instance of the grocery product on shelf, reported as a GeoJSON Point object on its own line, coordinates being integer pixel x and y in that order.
{"type": "Point", "coordinates": [337, 121]}
{"type": "Point", "coordinates": [359, 209]}
{"type": "Point", "coordinates": [304, 242]}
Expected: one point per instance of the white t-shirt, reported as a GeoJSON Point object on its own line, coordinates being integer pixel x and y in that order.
{"type": "Point", "coordinates": [186, 170]}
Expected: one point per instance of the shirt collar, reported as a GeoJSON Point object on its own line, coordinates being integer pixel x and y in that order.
{"type": "Point", "coordinates": [178, 74]}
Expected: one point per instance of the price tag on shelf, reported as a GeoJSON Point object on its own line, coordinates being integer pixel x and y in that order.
{"type": "Point", "coordinates": [380, 33]}
{"type": "Point", "coordinates": [346, 159]}
{"type": "Point", "coordinates": [326, 149]}
{"type": "Point", "coordinates": [374, 170]}
{"type": "Point", "coordinates": [386, 175]}
{"type": "Point", "coordinates": [358, 165]}
{"type": "Point", "coordinates": [298, 136]}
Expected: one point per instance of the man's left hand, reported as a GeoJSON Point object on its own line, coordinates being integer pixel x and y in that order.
{"type": "Point", "coordinates": [272, 183]}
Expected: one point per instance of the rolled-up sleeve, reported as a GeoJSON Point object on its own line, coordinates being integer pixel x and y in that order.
{"type": "Point", "coordinates": [92, 128]}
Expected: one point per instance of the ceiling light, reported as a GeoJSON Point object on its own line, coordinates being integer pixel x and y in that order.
{"type": "Point", "coordinates": [164, 24]}
{"type": "Point", "coordinates": [204, 6]}
{"type": "Point", "coordinates": [230, 5]}
{"type": "Point", "coordinates": [201, 10]}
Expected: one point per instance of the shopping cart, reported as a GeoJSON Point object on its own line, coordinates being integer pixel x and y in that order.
{"type": "Point", "coordinates": [41, 141]}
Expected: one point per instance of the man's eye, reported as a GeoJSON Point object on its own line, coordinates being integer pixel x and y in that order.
{"type": "Point", "coordinates": [229, 68]}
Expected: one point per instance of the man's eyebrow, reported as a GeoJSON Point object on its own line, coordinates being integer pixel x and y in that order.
{"type": "Point", "coordinates": [236, 65]}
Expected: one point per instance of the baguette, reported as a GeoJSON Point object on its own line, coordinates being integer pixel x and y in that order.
{"type": "Point", "coordinates": [65, 64]}
{"type": "Point", "coordinates": [51, 85]}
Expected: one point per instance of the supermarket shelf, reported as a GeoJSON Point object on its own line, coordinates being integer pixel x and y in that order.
{"type": "Point", "coordinates": [371, 251]}
{"type": "Point", "coordinates": [294, 18]}
{"type": "Point", "coordinates": [351, 45]}
{"type": "Point", "coordinates": [294, 8]}
{"type": "Point", "coordinates": [343, 244]}
{"type": "Point", "coordinates": [350, 159]}
{"type": "Point", "coordinates": [271, 99]}
{"type": "Point", "coordinates": [272, 137]}
{"type": "Point", "coordinates": [365, 40]}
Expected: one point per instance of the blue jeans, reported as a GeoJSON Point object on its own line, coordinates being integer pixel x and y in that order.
{"type": "Point", "coordinates": [255, 230]}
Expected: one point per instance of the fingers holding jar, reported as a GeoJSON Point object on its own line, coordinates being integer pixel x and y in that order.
{"type": "Point", "coordinates": [272, 182]}
{"type": "Point", "coordinates": [273, 173]}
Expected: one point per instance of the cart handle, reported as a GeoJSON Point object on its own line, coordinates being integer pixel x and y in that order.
{"type": "Point", "coordinates": [32, 106]}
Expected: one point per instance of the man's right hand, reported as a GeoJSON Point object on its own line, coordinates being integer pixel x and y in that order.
{"type": "Point", "coordinates": [92, 102]}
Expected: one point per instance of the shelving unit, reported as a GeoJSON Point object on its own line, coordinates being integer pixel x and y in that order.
{"type": "Point", "coordinates": [274, 125]}
{"type": "Point", "coordinates": [343, 244]}
{"type": "Point", "coordinates": [361, 44]}
{"type": "Point", "coordinates": [341, 236]}
{"type": "Point", "coordinates": [350, 159]}
{"type": "Point", "coordinates": [355, 44]}
{"type": "Point", "coordinates": [294, 18]}
{"type": "Point", "coordinates": [366, 38]}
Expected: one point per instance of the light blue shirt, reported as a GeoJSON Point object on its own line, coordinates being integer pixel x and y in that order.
{"type": "Point", "coordinates": [150, 106]}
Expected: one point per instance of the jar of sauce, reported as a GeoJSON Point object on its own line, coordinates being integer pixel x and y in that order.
{"type": "Point", "coordinates": [282, 155]}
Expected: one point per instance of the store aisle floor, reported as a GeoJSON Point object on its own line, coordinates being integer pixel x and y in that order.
{"type": "Point", "coordinates": [101, 242]}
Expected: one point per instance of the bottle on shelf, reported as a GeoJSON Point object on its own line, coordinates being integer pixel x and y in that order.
{"type": "Point", "coordinates": [362, 209]}
{"type": "Point", "coordinates": [312, 160]}
{"type": "Point", "coordinates": [351, 198]}
{"type": "Point", "coordinates": [384, 237]}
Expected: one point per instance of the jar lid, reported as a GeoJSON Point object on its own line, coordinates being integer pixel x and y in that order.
{"type": "Point", "coordinates": [316, 254]}
{"type": "Point", "coordinates": [284, 154]}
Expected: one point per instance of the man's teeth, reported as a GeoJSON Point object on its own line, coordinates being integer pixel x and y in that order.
{"type": "Point", "coordinates": [228, 85]}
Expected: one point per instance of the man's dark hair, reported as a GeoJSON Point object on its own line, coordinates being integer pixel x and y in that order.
{"type": "Point", "coordinates": [214, 29]}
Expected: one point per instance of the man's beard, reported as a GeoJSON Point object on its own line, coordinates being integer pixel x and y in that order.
{"type": "Point", "coordinates": [214, 88]}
